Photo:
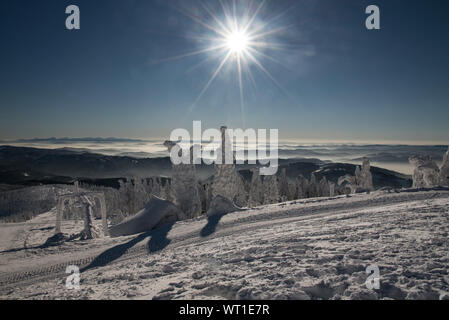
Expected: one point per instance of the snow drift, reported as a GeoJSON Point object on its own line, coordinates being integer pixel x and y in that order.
{"type": "Point", "coordinates": [156, 212]}
{"type": "Point", "coordinates": [221, 205]}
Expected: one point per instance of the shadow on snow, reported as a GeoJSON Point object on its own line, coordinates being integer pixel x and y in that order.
{"type": "Point", "coordinates": [158, 241]}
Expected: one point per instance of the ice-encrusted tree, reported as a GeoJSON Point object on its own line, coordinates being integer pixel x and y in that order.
{"type": "Point", "coordinates": [227, 181]}
{"type": "Point", "coordinates": [444, 170]}
{"type": "Point", "coordinates": [298, 188]}
{"type": "Point", "coordinates": [270, 190]}
{"type": "Point", "coordinates": [283, 186]}
{"type": "Point", "coordinates": [331, 189]}
{"type": "Point", "coordinates": [90, 231]}
{"type": "Point", "coordinates": [166, 190]}
{"type": "Point", "coordinates": [205, 189]}
{"type": "Point", "coordinates": [229, 184]}
{"type": "Point", "coordinates": [357, 173]}
{"type": "Point", "coordinates": [156, 187]}
{"type": "Point", "coordinates": [351, 182]}
{"type": "Point", "coordinates": [134, 194]}
{"type": "Point", "coordinates": [302, 186]}
{"type": "Point", "coordinates": [364, 177]}
{"type": "Point", "coordinates": [184, 186]}
{"type": "Point", "coordinates": [256, 189]}
{"type": "Point", "coordinates": [324, 188]}
{"type": "Point", "coordinates": [292, 191]}
{"type": "Point", "coordinates": [426, 172]}
{"type": "Point", "coordinates": [313, 187]}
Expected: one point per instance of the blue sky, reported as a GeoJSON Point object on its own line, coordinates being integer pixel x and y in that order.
{"type": "Point", "coordinates": [340, 81]}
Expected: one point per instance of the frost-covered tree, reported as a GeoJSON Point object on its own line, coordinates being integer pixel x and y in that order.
{"type": "Point", "coordinates": [426, 172]}
{"type": "Point", "coordinates": [283, 185]}
{"type": "Point", "coordinates": [184, 186]}
{"type": "Point", "coordinates": [155, 187]}
{"type": "Point", "coordinates": [227, 181]}
{"type": "Point", "coordinates": [313, 187]}
{"type": "Point", "coordinates": [90, 231]}
{"type": "Point", "coordinates": [126, 196]}
{"type": "Point", "coordinates": [444, 170]}
{"type": "Point", "coordinates": [351, 182]}
{"type": "Point", "coordinates": [256, 189]}
{"type": "Point", "coordinates": [298, 189]}
{"type": "Point", "coordinates": [271, 190]}
{"type": "Point", "coordinates": [133, 194]}
{"type": "Point", "coordinates": [364, 177]}
{"type": "Point", "coordinates": [166, 190]}
{"type": "Point", "coordinates": [229, 184]}
{"type": "Point", "coordinates": [302, 187]}
{"type": "Point", "coordinates": [331, 189]}
{"type": "Point", "coordinates": [324, 188]}
{"type": "Point", "coordinates": [291, 190]}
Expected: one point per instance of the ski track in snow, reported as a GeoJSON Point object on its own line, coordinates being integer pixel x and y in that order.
{"type": "Point", "coordinates": [304, 249]}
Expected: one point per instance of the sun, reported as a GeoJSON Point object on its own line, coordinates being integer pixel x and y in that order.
{"type": "Point", "coordinates": [237, 42]}
{"type": "Point", "coordinates": [239, 36]}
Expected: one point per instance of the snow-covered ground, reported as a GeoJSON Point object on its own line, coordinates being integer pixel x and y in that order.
{"type": "Point", "coordinates": [305, 249]}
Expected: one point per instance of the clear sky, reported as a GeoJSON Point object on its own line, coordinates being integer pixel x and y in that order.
{"type": "Point", "coordinates": [334, 79]}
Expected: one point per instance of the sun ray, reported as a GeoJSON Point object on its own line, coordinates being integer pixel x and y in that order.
{"type": "Point", "coordinates": [248, 25]}
{"type": "Point", "coordinates": [226, 14]}
{"type": "Point", "coordinates": [214, 16]}
{"type": "Point", "coordinates": [267, 57]}
{"type": "Point", "coordinates": [271, 32]}
{"type": "Point", "coordinates": [242, 106]}
{"type": "Point", "coordinates": [201, 22]}
{"type": "Point", "coordinates": [194, 53]}
{"type": "Point", "coordinates": [271, 21]}
{"type": "Point", "coordinates": [261, 67]}
{"type": "Point", "coordinates": [249, 74]}
{"type": "Point", "coordinates": [273, 45]}
{"type": "Point", "coordinates": [217, 71]}
{"type": "Point", "coordinates": [200, 64]}
{"type": "Point", "coordinates": [234, 10]}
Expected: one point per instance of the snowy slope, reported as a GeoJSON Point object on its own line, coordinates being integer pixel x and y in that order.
{"type": "Point", "coordinates": [305, 249]}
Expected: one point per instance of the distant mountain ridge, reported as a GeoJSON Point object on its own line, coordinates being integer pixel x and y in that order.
{"type": "Point", "coordinates": [86, 139]}
{"type": "Point", "coordinates": [31, 166]}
